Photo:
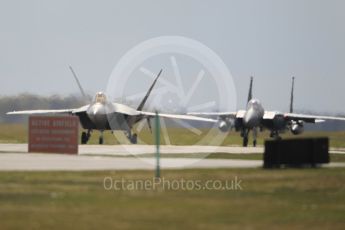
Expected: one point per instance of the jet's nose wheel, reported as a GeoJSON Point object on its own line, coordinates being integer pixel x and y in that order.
{"type": "Point", "coordinates": [255, 134]}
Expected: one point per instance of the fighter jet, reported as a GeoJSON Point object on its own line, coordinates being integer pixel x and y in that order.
{"type": "Point", "coordinates": [255, 118]}
{"type": "Point", "coordinates": [101, 114]}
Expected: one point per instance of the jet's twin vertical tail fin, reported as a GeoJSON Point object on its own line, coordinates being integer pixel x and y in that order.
{"type": "Point", "coordinates": [86, 98]}
{"type": "Point", "coordinates": [292, 94]}
{"type": "Point", "coordinates": [250, 93]}
{"type": "Point", "coordinates": [142, 103]}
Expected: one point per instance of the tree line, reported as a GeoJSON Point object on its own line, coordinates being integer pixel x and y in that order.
{"type": "Point", "coordinates": [28, 101]}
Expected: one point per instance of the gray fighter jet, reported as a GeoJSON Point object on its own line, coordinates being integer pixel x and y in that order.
{"type": "Point", "coordinates": [103, 115]}
{"type": "Point", "coordinates": [255, 118]}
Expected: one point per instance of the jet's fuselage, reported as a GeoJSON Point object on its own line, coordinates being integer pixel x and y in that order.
{"type": "Point", "coordinates": [254, 114]}
{"type": "Point", "coordinates": [98, 115]}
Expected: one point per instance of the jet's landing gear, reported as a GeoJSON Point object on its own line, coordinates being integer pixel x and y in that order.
{"type": "Point", "coordinates": [132, 138]}
{"type": "Point", "coordinates": [244, 134]}
{"type": "Point", "coordinates": [101, 139]}
{"type": "Point", "coordinates": [245, 141]}
{"type": "Point", "coordinates": [85, 137]}
{"type": "Point", "coordinates": [275, 135]}
{"type": "Point", "coordinates": [255, 134]}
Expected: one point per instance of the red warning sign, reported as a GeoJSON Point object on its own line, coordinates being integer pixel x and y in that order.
{"type": "Point", "coordinates": [58, 134]}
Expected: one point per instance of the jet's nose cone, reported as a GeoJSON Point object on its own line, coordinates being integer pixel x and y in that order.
{"type": "Point", "coordinates": [94, 110]}
{"type": "Point", "coordinates": [247, 120]}
{"type": "Point", "coordinates": [97, 115]}
{"type": "Point", "coordinates": [251, 119]}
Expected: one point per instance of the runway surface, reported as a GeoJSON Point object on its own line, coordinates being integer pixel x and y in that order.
{"type": "Point", "coordinates": [52, 162]}
{"type": "Point", "coordinates": [14, 157]}
{"type": "Point", "coordinates": [125, 150]}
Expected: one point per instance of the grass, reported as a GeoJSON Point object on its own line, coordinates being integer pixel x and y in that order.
{"type": "Point", "coordinates": [337, 157]}
{"type": "Point", "coordinates": [269, 199]}
{"type": "Point", "coordinates": [18, 133]}
{"type": "Point", "coordinates": [13, 133]}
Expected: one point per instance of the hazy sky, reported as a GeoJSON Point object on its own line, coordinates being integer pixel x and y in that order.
{"type": "Point", "coordinates": [270, 39]}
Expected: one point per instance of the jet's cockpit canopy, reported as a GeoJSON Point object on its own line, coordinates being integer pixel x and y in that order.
{"type": "Point", "coordinates": [100, 98]}
{"type": "Point", "coordinates": [254, 103]}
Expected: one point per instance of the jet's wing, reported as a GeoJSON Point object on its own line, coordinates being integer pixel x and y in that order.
{"type": "Point", "coordinates": [178, 116]}
{"type": "Point", "coordinates": [52, 111]}
{"type": "Point", "coordinates": [233, 115]}
{"type": "Point", "coordinates": [213, 113]}
{"type": "Point", "coordinates": [82, 109]}
{"type": "Point", "coordinates": [270, 115]}
{"type": "Point", "coordinates": [49, 111]}
{"type": "Point", "coordinates": [310, 118]}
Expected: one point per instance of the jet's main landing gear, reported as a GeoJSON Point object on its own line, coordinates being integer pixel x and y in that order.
{"type": "Point", "coordinates": [132, 138]}
{"type": "Point", "coordinates": [275, 134]}
{"type": "Point", "coordinates": [245, 141]}
{"type": "Point", "coordinates": [101, 139]}
{"type": "Point", "coordinates": [85, 137]}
